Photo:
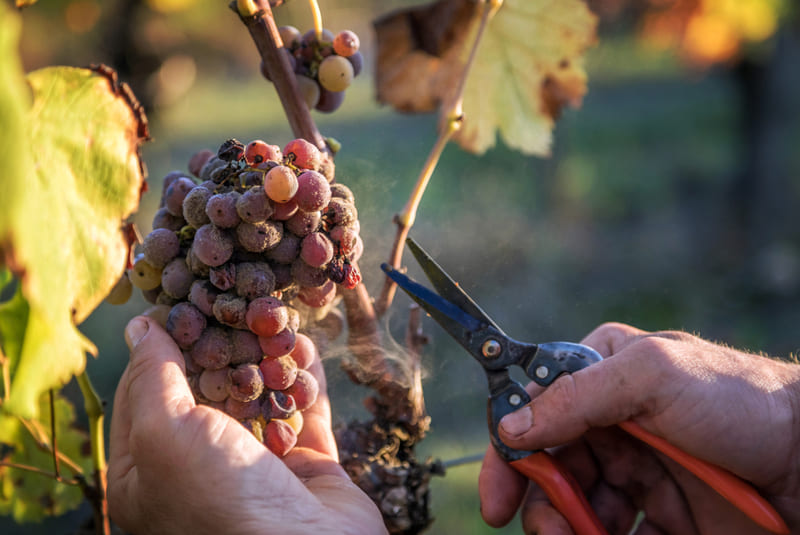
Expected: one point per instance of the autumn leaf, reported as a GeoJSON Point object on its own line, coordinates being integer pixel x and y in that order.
{"type": "Point", "coordinates": [528, 67]}
{"type": "Point", "coordinates": [72, 173]}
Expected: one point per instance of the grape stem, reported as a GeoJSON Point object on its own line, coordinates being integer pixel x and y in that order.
{"type": "Point", "coordinates": [264, 33]}
{"type": "Point", "coordinates": [454, 118]}
{"type": "Point", "coordinates": [317, 15]}
{"type": "Point", "coordinates": [96, 415]}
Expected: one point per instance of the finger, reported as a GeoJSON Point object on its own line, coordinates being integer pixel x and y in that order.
{"type": "Point", "coordinates": [157, 390]}
{"type": "Point", "coordinates": [501, 489]}
{"type": "Point", "coordinates": [611, 391]}
{"type": "Point", "coordinates": [307, 463]}
{"type": "Point", "coordinates": [614, 509]}
{"type": "Point", "coordinates": [539, 516]}
{"type": "Point", "coordinates": [611, 338]}
{"type": "Point", "coordinates": [317, 433]}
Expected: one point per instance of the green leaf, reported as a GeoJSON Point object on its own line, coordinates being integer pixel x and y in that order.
{"type": "Point", "coordinates": [529, 66]}
{"type": "Point", "coordinates": [26, 495]}
{"type": "Point", "coordinates": [72, 173]}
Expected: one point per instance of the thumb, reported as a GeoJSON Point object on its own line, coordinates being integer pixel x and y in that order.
{"type": "Point", "coordinates": [601, 395]}
{"type": "Point", "coordinates": [157, 386]}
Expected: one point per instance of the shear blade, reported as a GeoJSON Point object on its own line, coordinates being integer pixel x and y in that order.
{"type": "Point", "coordinates": [440, 308]}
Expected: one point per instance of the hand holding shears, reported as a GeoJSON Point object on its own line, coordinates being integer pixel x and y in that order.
{"type": "Point", "coordinates": [458, 314]}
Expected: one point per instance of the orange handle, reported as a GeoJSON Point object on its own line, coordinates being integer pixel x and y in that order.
{"type": "Point", "coordinates": [562, 490]}
{"type": "Point", "coordinates": [730, 487]}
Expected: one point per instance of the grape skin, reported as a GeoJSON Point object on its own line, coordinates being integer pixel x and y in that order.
{"type": "Point", "coordinates": [176, 279]}
{"type": "Point", "coordinates": [253, 206]}
{"type": "Point", "coordinates": [280, 184]}
{"type": "Point", "coordinates": [185, 324]}
{"type": "Point", "coordinates": [278, 373]}
{"type": "Point", "coordinates": [346, 43]}
{"type": "Point", "coordinates": [304, 390]}
{"type": "Point", "coordinates": [279, 437]}
{"type": "Point", "coordinates": [254, 279]}
{"type": "Point", "coordinates": [313, 191]}
{"type": "Point", "coordinates": [160, 246]}
{"type": "Point", "coordinates": [335, 73]}
{"type": "Point", "coordinates": [213, 350]}
{"type": "Point", "coordinates": [245, 348]}
{"type": "Point", "coordinates": [221, 209]}
{"type": "Point", "coordinates": [267, 316]}
{"type": "Point", "coordinates": [278, 404]}
{"type": "Point", "coordinates": [259, 237]}
{"type": "Point", "coordinates": [212, 384]}
{"type": "Point", "coordinates": [143, 275]}
{"type": "Point", "coordinates": [245, 382]}
{"type": "Point", "coordinates": [194, 206]}
{"type": "Point", "coordinates": [279, 345]}
{"type": "Point", "coordinates": [212, 246]}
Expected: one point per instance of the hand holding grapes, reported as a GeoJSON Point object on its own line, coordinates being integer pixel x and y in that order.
{"type": "Point", "coordinates": [178, 467]}
{"type": "Point", "coordinates": [736, 410]}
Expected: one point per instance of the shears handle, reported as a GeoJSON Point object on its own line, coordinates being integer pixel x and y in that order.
{"type": "Point", "coordinates": [562, 490]}
{"type": "Point", "coordinates": [729, 486]}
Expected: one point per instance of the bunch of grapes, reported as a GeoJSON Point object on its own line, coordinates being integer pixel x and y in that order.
{"type": "Point", "coordinates": [324, 66]}
{"type": "Point", "coordinates": [238, 259]}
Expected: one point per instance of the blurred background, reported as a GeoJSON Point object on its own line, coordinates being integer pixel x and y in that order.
{"type": "Point", "coordinates": [671, 200]}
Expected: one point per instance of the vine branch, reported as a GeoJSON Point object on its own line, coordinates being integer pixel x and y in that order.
{"type": "Point", "coordinates": [454, 118]}
{"type": "Point", "coordinates": [96, 415]}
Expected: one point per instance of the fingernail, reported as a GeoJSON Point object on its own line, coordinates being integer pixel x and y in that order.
{"type": "Point", "coordinates": [135, 331]}
{"type": "Point", "coordinates": [517, 422]}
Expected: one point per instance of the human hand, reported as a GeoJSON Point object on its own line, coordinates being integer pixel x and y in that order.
{"type": "Point", "coordinates": [736, 410]}
{"type": "Point", "coordinates": [178, 467]}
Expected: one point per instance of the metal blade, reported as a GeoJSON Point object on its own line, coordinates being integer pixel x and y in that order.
{"type": "Point", "coordinates": [447, 287]}
{"type": "Point", "coordinates": [447, 314]}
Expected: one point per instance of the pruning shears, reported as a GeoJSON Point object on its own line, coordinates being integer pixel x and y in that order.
{"type": "Point", "coordinates": [543, 363]}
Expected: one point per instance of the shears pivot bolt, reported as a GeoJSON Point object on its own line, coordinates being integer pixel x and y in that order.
{"type": "Point", "coordinates": [542, 372]}
{"type": "Point", "coordinates": [491, 349]}
{"type": "Point", "coordinates": [515, 399]}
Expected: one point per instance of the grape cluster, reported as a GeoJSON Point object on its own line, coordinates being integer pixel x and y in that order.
{"type": "Point", "coordinates": [240, 257]}
{"type": "Point", "coordinates": [324, 66]}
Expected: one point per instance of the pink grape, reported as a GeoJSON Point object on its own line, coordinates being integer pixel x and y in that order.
{"type": "Point", "coordinates": [303, 223]}
{"type": "Point", "coordinates": [202, 294]}
{"type": "Point", "coordinates": [344, 239]}
{"type": "Point", "coordinates": [346, 43]}
{"type": "Point", "coordinates": [194, 206]}
{"type": "Point", "coordinates": [304, 351]}
{"type": "Point", "coordinates": [213, 349]}
{"type": "Point", "coordinates": [313, 191]}
{"type": "Point", "coordinates": [242, 410]}
{"type": "Point", "coordinates": [254, 279]}
{"type": "Point", "coordinates": [212, 245]}
{"type": "Point", "coordinates": [163, 219]}
{"type": "Point", "coordinates": [318, 296]}
{"type": "Point", "coordinates": [306, 275]}
{"type": "Point", "coordinates": [309, 90]}
{"type": "Point", "coordinates": [304, 390]}
{"type": "Point", "coordinates": [259, 151]}
{"type": "Point", "coordinates": [284, 210]}
{"type": "Point", "coordinates": [212, 384]}
{"type": "Point", "coordinates": [316, 249]}
{"type": "Point", "coordinates": [245, 382]}
{"type": "Point", "coordinates": [253, 206]}
{"type": "Point", "coordinates": [278, 372]}
{"type": "Point", "coordinates": [221, 209]}
{"type": "Point", "coordinates": [176, 279]}
{"type": "Point", "coordinates": [278, 345]}
{"type": "Point", "coordinates": [259, 237]}
{"type": "Point", "coordinates": [245, 348]}
{"type": "Point", "coordinates": [198, 160]}
{"type": "Point", "coordinates": [230, 309]}
{"type": "Point", "coordinates": [289, 35]}
{"type": "Point", "coordinates": [267, 316]}
{"type": "Point", "coordinates": [223, 277]}
{"type": "Point", "coordinates": [286, 251]}
{"type": "Point", "coordinates": [176, 193]}
{"type": "Point", "coordinates": [357, 61]}
{"type": "Point", "coordinates": [303, 154]}
{"type": "Point", "coordinates": [160, 246]}
{"type": "Point", "coordinates": [185, 324]}
{"type": "Point", "coordinates": [339, 190]}
{"type": "Point", "coordinates": [279, 437]}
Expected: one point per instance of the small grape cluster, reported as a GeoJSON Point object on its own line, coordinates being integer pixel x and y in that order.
{"type": "Point", "coordinates": [239, 256]}
{"type": "Point", "coordinates": [324, 66]}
